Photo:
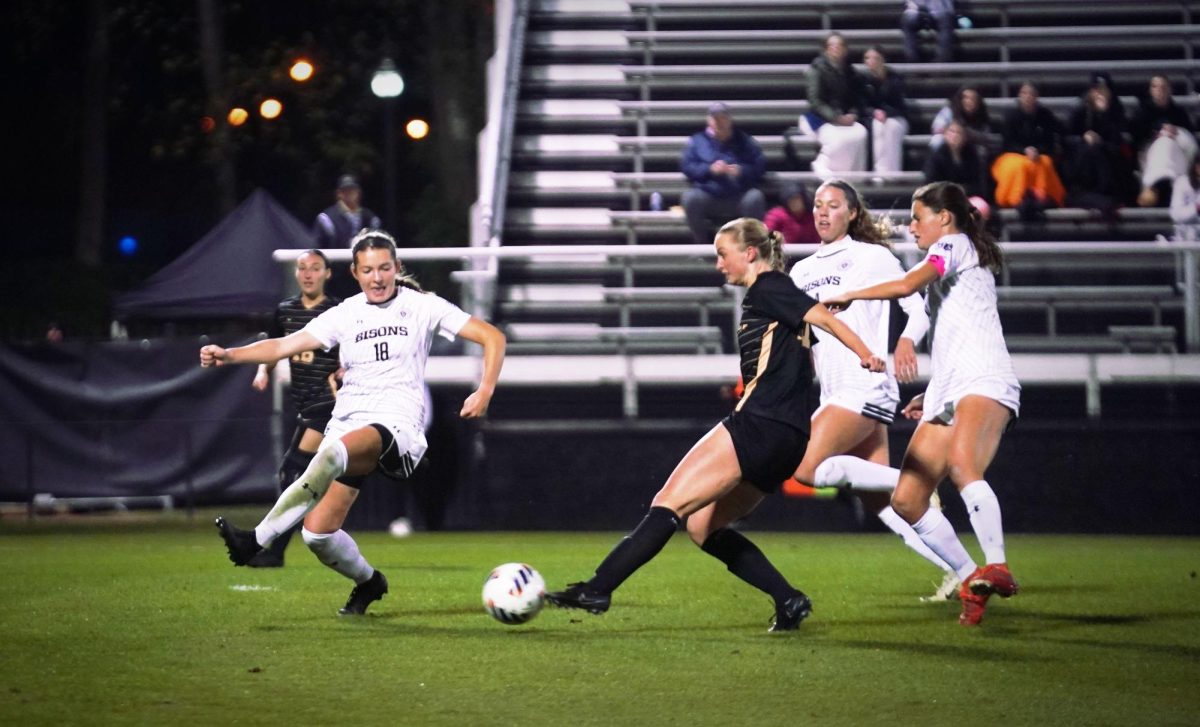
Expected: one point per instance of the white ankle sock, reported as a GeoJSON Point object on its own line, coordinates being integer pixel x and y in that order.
{"type": "Point", "coordinates": [303, 495]}
{"type": "Point", "coordinates": [984, 509]}
{"type": "Point", "coordinates": [339, 551]}
{"type": "Point", "coordinates": [937, 532]}
{"type": "Point", "coordinates": [858, 473]}
{"type": "Point", "coordinates": [898, 526]}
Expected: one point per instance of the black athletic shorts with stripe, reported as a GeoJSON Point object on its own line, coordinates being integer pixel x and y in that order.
{"type": "Point", "coordinates": [768, 451]}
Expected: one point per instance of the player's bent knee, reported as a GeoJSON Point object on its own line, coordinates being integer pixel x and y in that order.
{"type": "Point", "coordinates": [318, 543]}
{"type": "Point", "coordinates": [829, 473]}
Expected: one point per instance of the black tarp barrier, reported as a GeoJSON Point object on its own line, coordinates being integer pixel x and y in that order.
{"type": "Point", "coordinates": [128, 418]}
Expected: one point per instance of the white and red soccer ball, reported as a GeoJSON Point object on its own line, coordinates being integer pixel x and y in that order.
{"type": "Point", "coordinates": [513, 593]}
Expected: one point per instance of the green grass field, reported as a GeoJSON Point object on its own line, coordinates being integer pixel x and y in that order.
{"type": "Point", "coordinates": [145, 621]}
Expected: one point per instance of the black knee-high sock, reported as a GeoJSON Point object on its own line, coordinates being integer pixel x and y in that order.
{"type": "Point", "coordinates": [746, 561]}
{"type": "Point", "coordinates": [635, 549]}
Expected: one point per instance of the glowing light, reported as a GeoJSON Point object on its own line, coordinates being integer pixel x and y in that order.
{"type": "Point", "coordinates": [301, 71]}
{"type": "Point", "coordinates": [127, 245]}
{"type": "Point", "coordinates": [417, 129]}
{"type": "Point", "coordinates": [208, 124]}
{"type": "Point", "coordinates": [387, 83]}
{"type": "Point", "coordinates": [237, 116]}
{"type": "Point", "coordinates": [270, 108]}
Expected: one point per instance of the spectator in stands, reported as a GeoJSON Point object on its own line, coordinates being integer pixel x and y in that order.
{"type": "Point", "coordinates": [794, 218]}
{"type": "Point", "coordinates": [337, 224]}
{"type": "Point", "coordinates": [937, 14]}
{"type": "Point", "coordinates": [724, 165]}
{"type": "Point", "coordinates": [1025, 174]}
{"type": "Point", "coordinates": [341, 221]}
{"type": "Point", "coordinates": [1162, 132]}
{"type": "Point", "coordinates": [889, 111]}
{"type": "Point", "coordinates": [1095, 168]}
{"type": "Point", "coordinates": [958, 161]}
{"type": "Point", "coordinates": [835, 97]}
{"type": "Point", "coordinates": [1185, 203]}
{"type": "Point", "coordinates": [968, 107]}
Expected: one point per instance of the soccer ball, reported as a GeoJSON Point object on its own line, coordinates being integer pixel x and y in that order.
{"type": "Point", "coordinates": [513, 593]}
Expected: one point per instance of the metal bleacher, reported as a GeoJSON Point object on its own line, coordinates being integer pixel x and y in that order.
{"type": "Point", "coordinates": [609, 90]}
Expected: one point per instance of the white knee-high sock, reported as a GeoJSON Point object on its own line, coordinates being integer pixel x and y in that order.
{"type": "Point", "coordinates": [937, 532]}
{"type": "Point", "coordinates": [303, 494]}
{"type": "Point", "coordinates": [339, 551]}
{"type": "Point", "coordinates": [984, 509]}
{"type": "Point", "coordinates": [898, 526]}
{"type": "Point", "coordinates": [858, 473]}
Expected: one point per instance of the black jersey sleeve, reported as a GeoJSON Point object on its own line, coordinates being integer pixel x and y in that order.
{"type": "Point", "coordinates": [778, 298]}
{"type": "Point", "coordinates": [276, 329]}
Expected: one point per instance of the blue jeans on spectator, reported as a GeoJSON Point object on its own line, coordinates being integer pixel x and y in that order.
{"type": "Point", "coordinates": [935, 13]}
{"type": "Point", "coordinates": [705, 213]}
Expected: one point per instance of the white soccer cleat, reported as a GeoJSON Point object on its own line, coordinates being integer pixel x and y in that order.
{"type": "Point", "coordinates": [948, 591]}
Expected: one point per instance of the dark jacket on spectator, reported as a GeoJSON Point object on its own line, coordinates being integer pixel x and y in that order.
{"type": "Point", "coordinates": [1150, 117]}
{"type": "Point", "coordinates": [703, 149]}
{"type": "Point", "coordinates": [969, 171]}
{"type": "Point", "coordinates": [833, 90]}
{"type": "Point", "coordinates": [1041, 130]}
{"type": "Point", "coordinates": [887, 94]}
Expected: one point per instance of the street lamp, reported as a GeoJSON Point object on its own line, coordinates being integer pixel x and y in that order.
{"type": "Point", "coordinates": [387, 84]}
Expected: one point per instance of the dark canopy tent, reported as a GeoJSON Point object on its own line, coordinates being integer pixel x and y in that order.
{"type": "Point", "coordinates": [126, 418]}
{"type": "Point", "coordinates": [228, 272]}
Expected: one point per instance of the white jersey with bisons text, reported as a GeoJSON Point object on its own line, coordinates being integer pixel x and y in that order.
{"type": "Point", "coordinates": [967, 342]}
{"type": "Point", "coordinates": [384, 349]}
{"type": "Point", "coordinates": [846, 265]}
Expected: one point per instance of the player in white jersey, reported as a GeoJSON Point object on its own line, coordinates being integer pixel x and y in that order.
{"type": "Point", "coordinates": [384, 335]}
{"type": "Point", "coordinates": [972, 397]}
{"type": "Point", "coordinates": [856, 404]}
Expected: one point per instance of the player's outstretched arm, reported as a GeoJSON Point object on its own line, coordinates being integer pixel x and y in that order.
{"type": "Point", "coordinates": [822, 318]}
{"type": "Point", "coordinates": [493, 341]}
{"type": "Point", "coordinates": [260, 352]}
{"type": "Point", "coordinates": [914, 281]}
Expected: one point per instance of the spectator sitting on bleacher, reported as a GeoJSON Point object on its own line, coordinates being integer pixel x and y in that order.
{"type": "Point", "coordinates": [835, 98]}
{"type": "Point", "coordinates": [888, 109]}
{"type": "Point", "coordinates": [1024, 172]}
{"type": "Point", "coordinates": [939, 14]}
{"type": "Point", "coordinates": [958, 161]}
{"type": "Point", "coordinates": [794, 218]}
{"type": "Point", "coordinates": [724, 165]}
{"type": "Point", "coordinates": [1162, 132]}
{"type": "Point", "coordinates": [1185, 204]}
{"type": "Point", "coordinates": [1097, 173]}
{"type": "Point", "coordinates": [968, 107]}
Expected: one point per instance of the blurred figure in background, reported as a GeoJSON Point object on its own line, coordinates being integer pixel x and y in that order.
{"type": "Point", "coordinates": [888, 109]}
{"type": "Point", "coordinates": [1025, 174]}
{"type": "Point", "coordinates": [1162, 132]}
{"type": "Point", "coordinates": [1185, 204]}
{"type": "Point", "coordinates": [1096, 172]}
{"type": "Point", "coordinates": [835, 98]}
{"type": "Point", "coordinates": [724, 165]}
{"type": "Point", "coordinates": [794, 218]}
{"type": "Point", "coordinates": [938, 14]}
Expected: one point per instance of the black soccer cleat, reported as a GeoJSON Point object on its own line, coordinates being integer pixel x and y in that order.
{"type": "Point", "coordinates": [579, 595]}
{"type": "Point", "coordinates": [241, 544]}
{"type": "Point", "coordinates": [790, 613]}
{"type": "Point", "coordinates": [364, 594]}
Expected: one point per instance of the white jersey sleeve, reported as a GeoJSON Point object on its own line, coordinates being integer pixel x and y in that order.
{"type": "Point", "coordinates": [967, 342]}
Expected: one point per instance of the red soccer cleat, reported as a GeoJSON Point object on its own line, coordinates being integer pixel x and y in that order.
{"type": "Point", "coordinates": [973, 604]}
{"type": "Point", "coordinates": [993, 578]}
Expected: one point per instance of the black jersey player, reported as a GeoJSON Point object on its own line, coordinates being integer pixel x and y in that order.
{"type": "Point", "coordinates": [313, 384]}
{"type": "Point", "coordinates": [729, 471]}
